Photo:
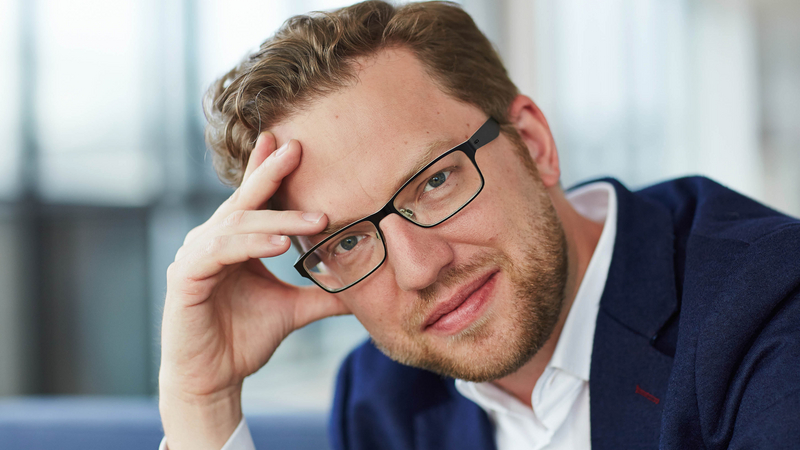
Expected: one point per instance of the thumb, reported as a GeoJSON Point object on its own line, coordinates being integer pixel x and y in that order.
{"type": "Point", "coordinates": [312, 304]}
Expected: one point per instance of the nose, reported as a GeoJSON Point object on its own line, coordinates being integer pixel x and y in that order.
{"type": "Point", "coordinates": [416, 254]}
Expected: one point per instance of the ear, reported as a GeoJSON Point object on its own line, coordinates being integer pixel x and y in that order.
{"type": "Point", "coordinates": [535, 132]}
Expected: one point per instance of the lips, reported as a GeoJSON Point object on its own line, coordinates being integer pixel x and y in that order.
{"type": "Point", "coordinates": [462, 307]}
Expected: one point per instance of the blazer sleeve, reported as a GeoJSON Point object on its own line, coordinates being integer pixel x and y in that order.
{"type": "Point", "coordinates": [735, 381]}
{"type": "Point", "coordinates": [768, 415]}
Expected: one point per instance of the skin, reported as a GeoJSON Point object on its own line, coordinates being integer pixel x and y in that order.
{"type": "Point", "coordinates": [225, 311]}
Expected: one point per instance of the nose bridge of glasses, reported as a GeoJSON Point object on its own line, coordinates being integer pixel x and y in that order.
{"type": "Point", "coordinates": [388, 210]}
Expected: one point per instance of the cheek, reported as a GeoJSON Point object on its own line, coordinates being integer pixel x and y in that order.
{"type": "Point", "coordinates": [375, 301]}
{"type": "Point", "coordinates": [492, 218]}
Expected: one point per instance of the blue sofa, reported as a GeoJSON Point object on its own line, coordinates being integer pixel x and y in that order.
{"type": "Point", "coordinates": [89, 423]}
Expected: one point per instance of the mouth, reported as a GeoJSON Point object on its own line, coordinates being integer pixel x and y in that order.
{"type": "Point", "coordinates": [463, 307]}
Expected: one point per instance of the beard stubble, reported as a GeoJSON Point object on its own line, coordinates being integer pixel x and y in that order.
{"type": "Point", "coordinates": [485, 350]}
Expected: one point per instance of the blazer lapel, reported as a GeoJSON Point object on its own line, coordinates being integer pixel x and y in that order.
{"type": "Point", "coordinates": [453, 424]}
{"type": "Point", "coordinates": [629, 376]}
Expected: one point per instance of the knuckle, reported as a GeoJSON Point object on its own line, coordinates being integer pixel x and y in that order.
{"type": "Point", "coordinates": [234, 219]}
{"type": "Point", "coordinates": [250, 241]}
{"type": "Point", "coordinates": [191, 235]}
{"type": "Point", "coordinates": [261, 168]}
{"type": "Point", "coordinates": [216, 244]}
{"type": "Point", "coordinates": [286, 220]}
{"type": "Point", "coordinates": [191, 290]}
{"type": "Point", "coordinates": [181, 251]}
{"type": "Point", "coordinates": [173, 271]}
{"type": "Point", "coordinates": [274, 175]}
{"type": "Point", "coordinates": [287, 215]}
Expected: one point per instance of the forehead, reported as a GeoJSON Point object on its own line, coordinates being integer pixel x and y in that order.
{"type": "Point", "coordinates": [358, 141]}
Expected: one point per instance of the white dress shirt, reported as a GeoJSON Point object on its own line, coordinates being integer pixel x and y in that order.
{"type": "Point", "coordinates": [239, 440]}
{"type": "Point", "coordinates": [559, 418]}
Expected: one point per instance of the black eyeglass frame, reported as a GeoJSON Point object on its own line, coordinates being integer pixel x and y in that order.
{"type": "Point", "coordinates": [485, 134]}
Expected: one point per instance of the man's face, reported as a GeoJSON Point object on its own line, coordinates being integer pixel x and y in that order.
{"type": "Point", "coordinates": [474, 297]}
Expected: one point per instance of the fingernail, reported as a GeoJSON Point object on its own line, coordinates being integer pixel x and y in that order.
{"type": "Point", "coordinates": [282, 150]}
{"type": "Point", "coordinates": [312, 217]}
{"type": "Point", "coordinates": [277, 240]}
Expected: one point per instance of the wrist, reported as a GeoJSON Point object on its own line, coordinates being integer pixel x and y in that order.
{"type": "Point", "coordinates": [199, 422]}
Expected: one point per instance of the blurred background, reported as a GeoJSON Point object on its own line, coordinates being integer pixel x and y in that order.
{"type": "Point", "coordinates": [103, 168]}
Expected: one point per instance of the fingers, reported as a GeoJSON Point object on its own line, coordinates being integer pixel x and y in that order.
{"type": "Point", "coordinates": [201, 263]}
{"type": "Point", "coordinates": [265, 145]}
{"type": "Point", "coordinates": [239, 231]}
{"type": "Point", "coordinates": [267, 222]}
{"type": "Point", "coordinates": [294, 223]}
{"type": "Point", "coordinates": [267, 177]}
{"type": "Point", "coordinates": [265, 170]}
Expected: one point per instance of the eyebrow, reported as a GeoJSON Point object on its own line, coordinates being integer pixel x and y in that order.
{"type": "Point", "coordinates": [430, 149]}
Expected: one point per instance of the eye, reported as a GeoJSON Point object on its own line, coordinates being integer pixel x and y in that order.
{"type": "Point", "coordinates": [347, 243]}
{"type": "Point", "coordinates": [436, 180]}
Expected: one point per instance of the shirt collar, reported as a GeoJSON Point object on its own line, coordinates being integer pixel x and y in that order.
{"type": "Point", "coordinates": [596, 202]}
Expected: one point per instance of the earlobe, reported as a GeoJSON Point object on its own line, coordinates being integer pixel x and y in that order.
{"type": "Point", "coordinates": [532, 127]}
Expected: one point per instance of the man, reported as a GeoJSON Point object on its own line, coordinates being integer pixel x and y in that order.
{"type": "Point", "coordinates": [424, 193]}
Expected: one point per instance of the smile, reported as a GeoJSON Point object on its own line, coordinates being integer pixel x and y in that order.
{"type": "Point", "coordinates": [463, 308]}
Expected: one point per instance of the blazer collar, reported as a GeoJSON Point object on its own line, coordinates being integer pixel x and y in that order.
{"type": "Point", "coordinates": [640, 291]}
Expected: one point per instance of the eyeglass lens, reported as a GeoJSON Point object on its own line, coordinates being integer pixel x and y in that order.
{"type": "Point", "coordinates": [430, 197]}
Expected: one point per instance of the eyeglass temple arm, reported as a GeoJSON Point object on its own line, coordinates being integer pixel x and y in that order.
{"type": "Point", "coordinates": [486, 133]}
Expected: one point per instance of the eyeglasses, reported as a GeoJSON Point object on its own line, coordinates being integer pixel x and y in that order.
{"type": "Point", "coordinates": [434, 194]}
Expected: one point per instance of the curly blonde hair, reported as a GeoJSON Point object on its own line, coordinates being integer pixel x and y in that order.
{"type": "Point", "coordinates": [312, 55]}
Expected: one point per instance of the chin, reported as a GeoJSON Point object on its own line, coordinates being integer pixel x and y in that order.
{"type": "Point", "coordinates": [489, 349]}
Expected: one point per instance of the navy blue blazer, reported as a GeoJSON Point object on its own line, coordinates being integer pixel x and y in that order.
{"type": "Point", "coordinates": [697, 342]}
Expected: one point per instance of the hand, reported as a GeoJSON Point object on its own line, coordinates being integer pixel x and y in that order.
{"type": "Point", "coordinates": [225, 313]}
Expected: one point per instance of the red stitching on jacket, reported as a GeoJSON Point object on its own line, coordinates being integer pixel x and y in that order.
{"type": "Point", "coordinates": [647, 395]}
